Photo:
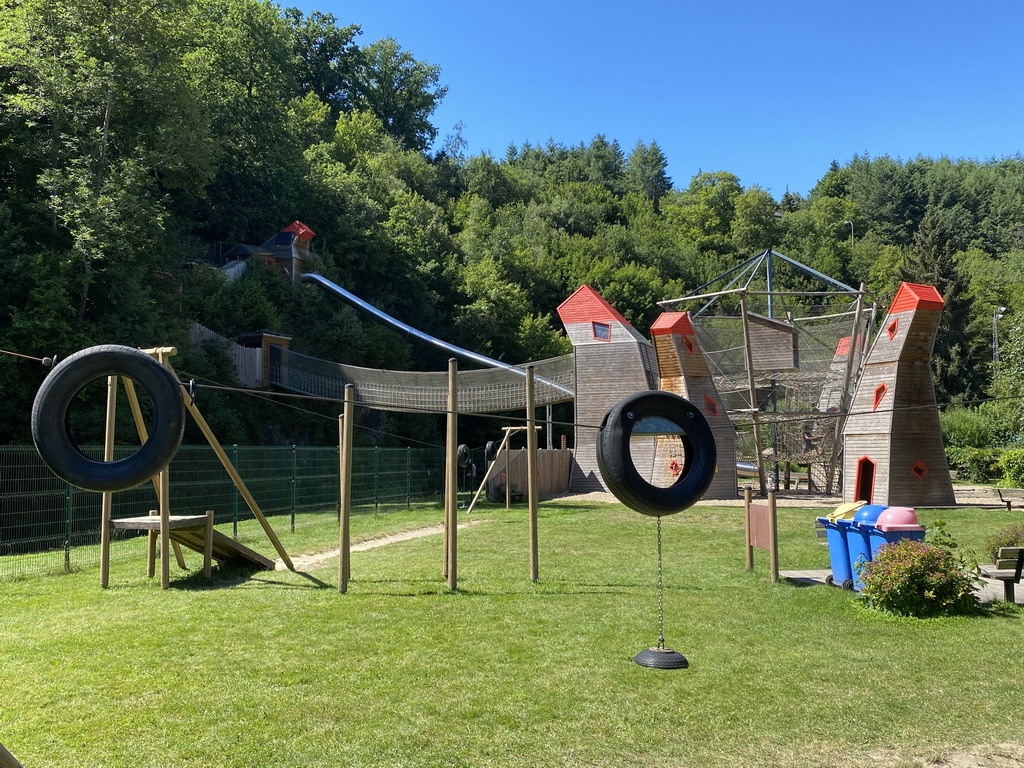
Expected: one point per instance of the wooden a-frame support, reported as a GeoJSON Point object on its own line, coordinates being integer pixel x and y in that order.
{"type": "Point", "coordinates": [161, 483]}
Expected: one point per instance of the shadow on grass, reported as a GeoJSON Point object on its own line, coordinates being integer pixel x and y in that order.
{"type": "Point", "coordinates": [235, 574]}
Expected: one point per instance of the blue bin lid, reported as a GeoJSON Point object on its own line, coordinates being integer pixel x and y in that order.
{"type": "Point", "coordinates": [869, 513]}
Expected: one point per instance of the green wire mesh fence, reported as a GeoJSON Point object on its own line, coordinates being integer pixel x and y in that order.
{"type": "Point", "coordinates": [48, 526]}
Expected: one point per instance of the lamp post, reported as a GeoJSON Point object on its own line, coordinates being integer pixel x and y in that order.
{"type": "Point", "coordinates": [851, 235]}
{"type": "Point", "coordinates": [997, 315]}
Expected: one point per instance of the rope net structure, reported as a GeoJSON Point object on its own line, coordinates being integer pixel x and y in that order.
{"type": "Point", "coordinates": [490, 390]}
{"type": "Point", "coordinates": [785, 362]}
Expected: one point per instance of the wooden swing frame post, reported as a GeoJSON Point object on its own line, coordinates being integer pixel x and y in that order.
{"type": "Point", "coordinates": [451, 501]}
{"type": "Point", "coordinates": [346, 428]}
{"type": "Point", "coordinates": [533, 475]}
{"type": "Point", "coordinates": [108, 496]}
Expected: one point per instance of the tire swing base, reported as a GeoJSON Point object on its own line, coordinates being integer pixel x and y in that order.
{"type": "Point", "coordinates": [661, 658]}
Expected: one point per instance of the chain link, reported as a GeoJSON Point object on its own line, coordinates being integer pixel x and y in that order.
{"type": "Point", "coordinates": [661, 594]}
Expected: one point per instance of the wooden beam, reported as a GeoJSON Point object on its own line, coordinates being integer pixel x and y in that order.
{"type": "Point", "coordinates": [346, 428]}
{"type": "Point", "coordinates": [532, 479]}
{"type": "Point", "coordinates": [452, 479]}
{"type": "Point", "coordinates": [243, 489]}
{"type": "Point", "coordinates": [108, 496]}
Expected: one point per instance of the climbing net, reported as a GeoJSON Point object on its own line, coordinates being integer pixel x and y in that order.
{"type": "Point", "coordinates": [786, 360]}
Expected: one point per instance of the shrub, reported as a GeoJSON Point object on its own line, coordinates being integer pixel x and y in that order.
{"type": "Point", "coordinates": [976, 465]}
{"type": "Point", "coordinates": [911, 578]}
{"type": "Point", "coordinates": [1013, 536]}
{"type": "Point", "coordinates": [1012, 465]}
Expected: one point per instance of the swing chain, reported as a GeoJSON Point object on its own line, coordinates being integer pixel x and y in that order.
{"type": "Point", "coordinates": [661, 594]}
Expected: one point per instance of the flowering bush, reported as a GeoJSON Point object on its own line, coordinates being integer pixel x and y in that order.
{"type": "Point", "coordinates": [912, 578]}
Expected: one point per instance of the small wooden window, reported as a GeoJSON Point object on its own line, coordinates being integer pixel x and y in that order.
{"type": "Point", "coordinates": [602, 331]}
{"type": "Point", "coordinates": [710, 406]}
{"type": "Point", "coordinates": [688, 343]}
{"type": "Point", "coordinates": [880, 391]}
{"type": "Point", "coordinates": [919, 469]}
{"type": "Point", "coordinates": [893, 328]}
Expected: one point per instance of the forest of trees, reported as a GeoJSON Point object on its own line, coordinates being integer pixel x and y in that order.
{"type": "Point", "coordinates": [139, 140]}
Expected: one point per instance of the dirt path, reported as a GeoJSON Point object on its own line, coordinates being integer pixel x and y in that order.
{"type": "Point", "coordinates": [302, 562]}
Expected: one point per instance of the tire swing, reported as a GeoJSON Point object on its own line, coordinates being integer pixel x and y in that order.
{"type": "Point", "coordinates": [655, 415]}
{"type": "Point", "coordinates": [462, 456]}
{"type": "Point", "coordinates": [50, 418]}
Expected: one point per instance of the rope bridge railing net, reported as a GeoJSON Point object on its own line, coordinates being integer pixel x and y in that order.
{"type": "Point", "coordinates": [480, 391]}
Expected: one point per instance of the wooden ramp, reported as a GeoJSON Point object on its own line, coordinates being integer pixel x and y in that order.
{"type": "Point", "coordinates": [190, 531]}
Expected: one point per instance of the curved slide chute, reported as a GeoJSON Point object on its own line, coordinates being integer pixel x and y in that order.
{"type": "Point", "coordinates": [401, 327]}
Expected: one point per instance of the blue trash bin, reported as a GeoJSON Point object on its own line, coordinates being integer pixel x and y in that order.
{"type": "Point", "coordinates": [857, 541]}
{"type": "Point", "coordinates": [838, 552]}
{"type": "Point", "coordinates": [895, 524]}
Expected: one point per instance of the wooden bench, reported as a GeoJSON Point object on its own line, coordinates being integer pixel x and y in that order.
{"type": "Point", "coordinates": [1007, 569]}
{"type": "Point", "coordinates": [1011, 497]}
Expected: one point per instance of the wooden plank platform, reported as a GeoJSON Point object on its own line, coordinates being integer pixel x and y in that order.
{"type": "Point", "coordinates": [189, 531]}
{"type": "Point", "coordinates": [152, 522]}
{"type": "Point", "coordinates": [225, 549]}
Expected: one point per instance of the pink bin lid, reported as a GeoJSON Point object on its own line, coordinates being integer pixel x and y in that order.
{"type": "Point", "coordinates": [898, 519]}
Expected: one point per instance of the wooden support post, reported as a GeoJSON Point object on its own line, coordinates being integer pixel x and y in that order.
{"type": "Point", "coordinates": [208, 545]}
{"type": "Point", "coordinates": [108, 496]}
{"type": "Point", "coordinates": [488, 473]}
{"type": "Point", "coordinates": [452, 479]}
{"type": "Point", "coordinates": [748, 545]}
{"type": "Point", "coordinates": [773, 538]}
{"type": "Point", "coordinates": [151, 538]}
{"type": "Point", "coordinates": [508, 479]}
{"type": "Point", "coordinates": [845, 397]}
{"type": "Point", "coordinates": [140, 427]}
{"type": "Point", "coordinates": [7, 760]}
{"type": "Point", "coordinates": [243, 489]}
{"type": "Point", "coordinates": [752, 386]}
{"type": "Point", "coordinates": [165, 531]}
{"type": "Point", "coordinates": [346, 429]}
{"type": "Point", "coordinates": [533, 476]}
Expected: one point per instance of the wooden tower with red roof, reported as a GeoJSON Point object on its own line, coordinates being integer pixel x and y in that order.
{"type": "Point", "coordinates": [684, 371]}
{"type": "Point", "coordinates": [893, 451]}
{"type": "Point", "coordinates": [612, 361]}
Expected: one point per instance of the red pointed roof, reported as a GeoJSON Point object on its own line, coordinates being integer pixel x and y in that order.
{"type": "Point", "coordinates": [672, 322]}
{"type": "Point", "coordinates": [915, 296]}
{"type": "Point", "coordinates": [587, 305]}
{"type": "Point", "coordinates": [300, 230]}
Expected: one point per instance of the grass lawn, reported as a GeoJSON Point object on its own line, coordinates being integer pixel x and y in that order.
{"type": "Point", "coordinates": [279, 669]}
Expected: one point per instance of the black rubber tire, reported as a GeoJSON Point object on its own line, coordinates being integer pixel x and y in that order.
{"type": "Point", "coordinates": [616, 464]}
{"type": "Point", "coordinates": [52, 437]}
{"type": "Point", "coordinates": [848, 584]}
{"type": "Point", "coordinates": [462, 456]}
{"type": "Point", "coordinates": [490, 451]}
{"type": "Point", "coordinates": [829, 581]}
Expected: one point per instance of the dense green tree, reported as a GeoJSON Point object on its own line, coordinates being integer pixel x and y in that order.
{"type": "Point", "coordinates": [957, 360]}
{"type": "Point", "coordinates": [326, 58]}
{"type": "Point", "coordinates": [401, 91]}
{"type": "Point", "coordinates": [647, 173]}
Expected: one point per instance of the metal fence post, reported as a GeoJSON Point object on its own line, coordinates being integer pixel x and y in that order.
{"type": "Point", "coordinates": [408, 478]}
{"type": "Point", "coordinates": [294, 470]}
{"type": "Point", "coordinates": [234, 494]}
{"type": "Point", "coordinates": [68, 512]}
{"type": "Point", "coordinates": [376, 479]}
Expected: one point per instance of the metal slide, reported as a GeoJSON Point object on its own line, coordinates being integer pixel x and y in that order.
{"type": "Point", "coordinates": [407, 329]}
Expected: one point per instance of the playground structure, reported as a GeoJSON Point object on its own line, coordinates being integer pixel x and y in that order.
{"type": "Point", "coordinates": [612, 360]}
{"type": "Point", "coordinates": [894, 454]}
{"type": "Point", "coordinates": [784, 362]}
{"type": "Point", "coordinates": [50, 432]}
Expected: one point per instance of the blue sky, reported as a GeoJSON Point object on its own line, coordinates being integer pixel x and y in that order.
{"type": "Point", "coordinates": [772, 92]}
